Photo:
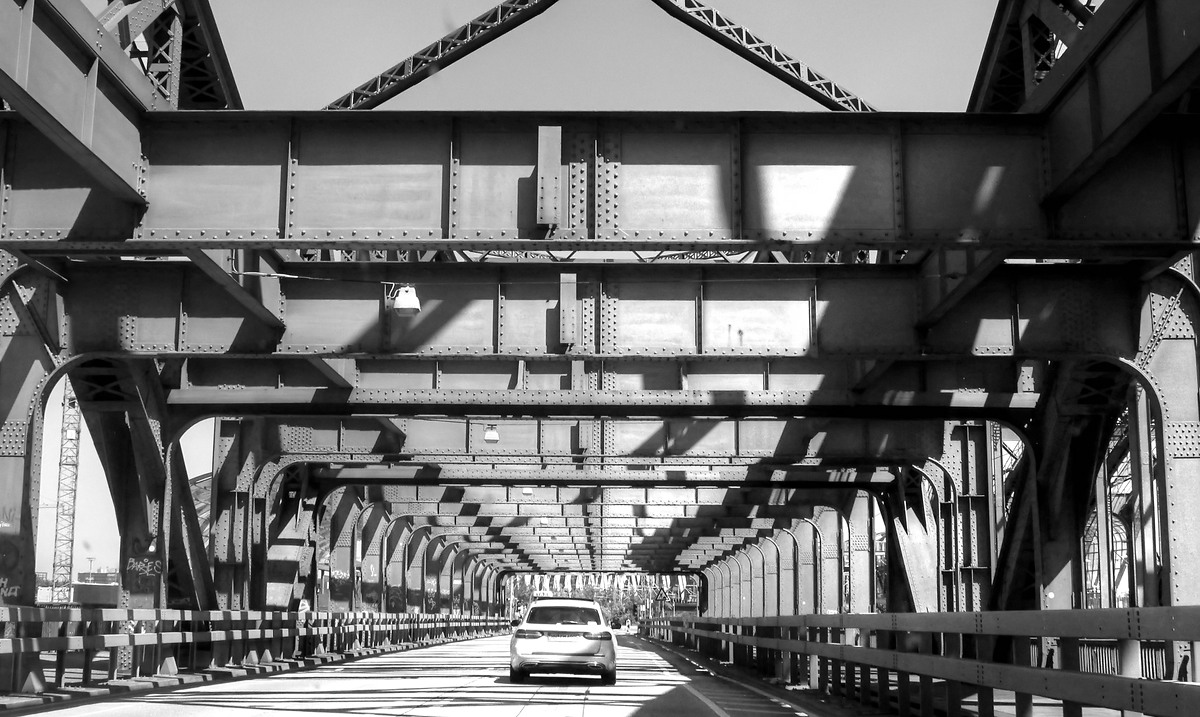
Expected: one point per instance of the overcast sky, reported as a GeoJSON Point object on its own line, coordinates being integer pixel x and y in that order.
{"type": "Point", "coordinates": [904, 55]}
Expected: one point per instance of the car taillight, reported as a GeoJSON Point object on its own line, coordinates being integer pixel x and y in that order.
{"type": "Point", "coordinates": [597, 636]}
{"type": "Point", "coordinates": [528, 634]}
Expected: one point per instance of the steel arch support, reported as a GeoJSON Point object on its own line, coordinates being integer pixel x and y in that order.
{"type": "Point", "coordinates": [339, 513]}
{"type": "Point", "coordinates": [238, 453]}
{"type": "Point", "coordinates": [23, 392]}
{"type": "Point", "coordinates": [373, 522]}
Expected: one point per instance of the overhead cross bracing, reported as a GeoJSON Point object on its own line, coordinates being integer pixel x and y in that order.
{"type": "Point", "coordinates": [943, 339]}
{"type": "Point", "coordinates": [510, 14]}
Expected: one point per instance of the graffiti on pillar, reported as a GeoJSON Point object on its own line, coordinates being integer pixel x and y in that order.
{"type": "Point", "coordinates": [143, 572]}
{"type": "Point", "coordinates": [10, 570]}
{"type": "Point", "coordinates": [395, 599]}
{"type": "Point", "coordinates": [431, 595]}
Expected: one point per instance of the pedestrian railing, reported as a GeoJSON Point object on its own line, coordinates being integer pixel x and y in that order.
{"type": "Point", "coordinates": [919, 662]}
{"type": "Point", "coordinates": [59, 647]}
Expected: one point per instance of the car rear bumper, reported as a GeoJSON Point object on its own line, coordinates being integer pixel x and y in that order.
{"type": "Point", "coordinates": [577, 664]}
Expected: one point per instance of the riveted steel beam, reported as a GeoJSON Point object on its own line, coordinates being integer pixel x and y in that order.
{"type": "Point", "coordinates": [795, 477]}
{"type": "Point", "coordinates": [670, 448]}
{"type": "Point", "coordinates": [318, 183]}
{"type": "Point", "coordinates": [65, 74]}
{"type": "Point", "coordinates": [493, 317]}
{"type": "Point", "coordinates": [1131, 62]}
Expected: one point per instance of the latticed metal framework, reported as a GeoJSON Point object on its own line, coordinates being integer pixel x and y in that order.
{"type": "Point", "coordinates": [792, 71]}
{"type": "Point", "coordinates": [483, 29]}
{"type": "Point", "coordinates": [68, 481]}
{"type": "Point", "coordinates": [512, 13]}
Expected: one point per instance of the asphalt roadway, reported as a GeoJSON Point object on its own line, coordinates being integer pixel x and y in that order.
{"type": "Point", "coordinates": [464, 679]}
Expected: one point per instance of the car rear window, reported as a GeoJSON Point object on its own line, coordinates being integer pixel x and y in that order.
{"type": "Point", "coordinates": [563, 615]}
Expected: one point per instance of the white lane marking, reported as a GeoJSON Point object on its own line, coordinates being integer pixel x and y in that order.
{"type": "Point", "coordinates": [100, 710]}
{"type": "Point", "coordinates": [711, 705]}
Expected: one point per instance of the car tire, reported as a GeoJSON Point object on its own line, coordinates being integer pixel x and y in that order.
{"type": "Point", "coordinates": [609, 678]}
{"type": "Point", "coordinates": [516, 676]}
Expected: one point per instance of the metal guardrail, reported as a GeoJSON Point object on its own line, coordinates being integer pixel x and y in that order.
{"type": "Point", "coordinates": [79, 648]}
{"type": "Point", "coordinates": [1103, 658]}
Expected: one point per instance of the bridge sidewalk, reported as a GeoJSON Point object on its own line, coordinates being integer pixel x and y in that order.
{"type": "Point", "coordinates": [816, 704]}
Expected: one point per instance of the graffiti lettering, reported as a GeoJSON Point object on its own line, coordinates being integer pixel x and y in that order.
{"type": "Point", "coordinates": [9, 517]}
{"type": "Point", "coordinates": [7, 591]}
{"type": "Point", "coordinates": [143, 566]}
{"type": "Point", "coordinates": [339, 575]}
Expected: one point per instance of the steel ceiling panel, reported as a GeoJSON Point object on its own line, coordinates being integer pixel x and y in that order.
{"type": "Point", "coordinates": [653, 316]}
{"type": "Point", "coordinates": [746, 317]}
{"type": "Point", "coordinates": [850, 319]}
{"type": "Point", "coordinates": [529, 318]}
{"type": "Point", "coordinates": [807, 183]}
{"type": "Point", "coordinates": [456, 316]}
{"type": "Point", "coordinates": [332, 316]}
{"type": "Point", "coordinates": [1148, 197]}
{"type": "Point", "coordinates": [50, 195]}
{"type": "Point", "coordinates": [206, 173]}
{"type": "Point", "coordinates": [1182, 22]}
{"type": "Point", "coordinates": [973, 185]}
{"type": "Point", "coordinates": [383, 176]}
{"type": "Point", "coordinates": [1122, 75]}
{"type": "Point", "coordinates": [676, 181]}
{"type": "Point", "coordinates": [496, 182]}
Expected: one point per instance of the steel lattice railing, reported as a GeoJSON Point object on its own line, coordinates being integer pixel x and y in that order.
{"type": "Point", "coordinates": [1113, 658]}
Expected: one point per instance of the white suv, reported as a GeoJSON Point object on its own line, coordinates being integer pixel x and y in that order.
{"type": "Point", "coordinates": [563, 635]}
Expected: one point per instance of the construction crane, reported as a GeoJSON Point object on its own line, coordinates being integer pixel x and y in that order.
{"type": "Point", "coordinates": [68, 473]}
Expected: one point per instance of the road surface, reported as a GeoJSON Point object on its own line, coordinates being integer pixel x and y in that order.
{"type": "Point", "coordinates": [464, 679]}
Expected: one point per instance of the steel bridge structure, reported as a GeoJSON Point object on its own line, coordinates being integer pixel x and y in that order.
{"type": "Point", "coordinates": [903, 395]}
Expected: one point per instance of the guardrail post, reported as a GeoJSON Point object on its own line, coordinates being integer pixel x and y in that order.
{"type": "Point", "coordinates": [60, 657]}
{"type": "Point", "coordinates": [837, 684]}
{"type": "Point", "coordinates": [903, 693]}
{"type": "Point", "coordinates": [883, 689]}
{"type": "Point", "coordinates": [1068, 659]}
{"type": "Point", "coordinates": [818, 667]}
{"type": "Point", "coordinates": [1129, 664]}
{"type": "Point", "coordinates": [165, 655]}
{"type": "Point", "coordinates": [953, 698]}
{"type": "Point", "coordinates": [1021, 656]}
{"type": "Point", "coordinates": [864, 684]}
{"type": "Point", "coordinates": [925, 640]}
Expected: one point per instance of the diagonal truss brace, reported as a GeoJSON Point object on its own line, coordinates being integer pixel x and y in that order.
{"type": "Point", "coordinates": [792, 71]}
{"type": "Point", "coordinates": [511, 13]}
{"type": "Point", "coordinates": [476, 33]}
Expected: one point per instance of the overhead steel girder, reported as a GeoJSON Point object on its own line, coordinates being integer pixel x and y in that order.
{"type": "Point", "coordinates": [308, 181]}
{"type": "Point", "coordinates": [65, 74]}
{"type": "Point", "coordinates": [543, 526]}
{"type": "Point", "coordinates": [407, 499]}
{"type": "Point", "coordinates": [672, 449]}
{"type": "Point", "coordinates": [805, 320]}
{"type": "Point", "coordinates": [1129, 64]}
{"type": "Point", "coordinates": [800, 477]}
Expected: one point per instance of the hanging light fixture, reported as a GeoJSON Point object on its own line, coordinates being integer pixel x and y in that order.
{"type": "Point", "coordinates": [491, 434]}
{"type": "Point", "coordinates": [402, 299]}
